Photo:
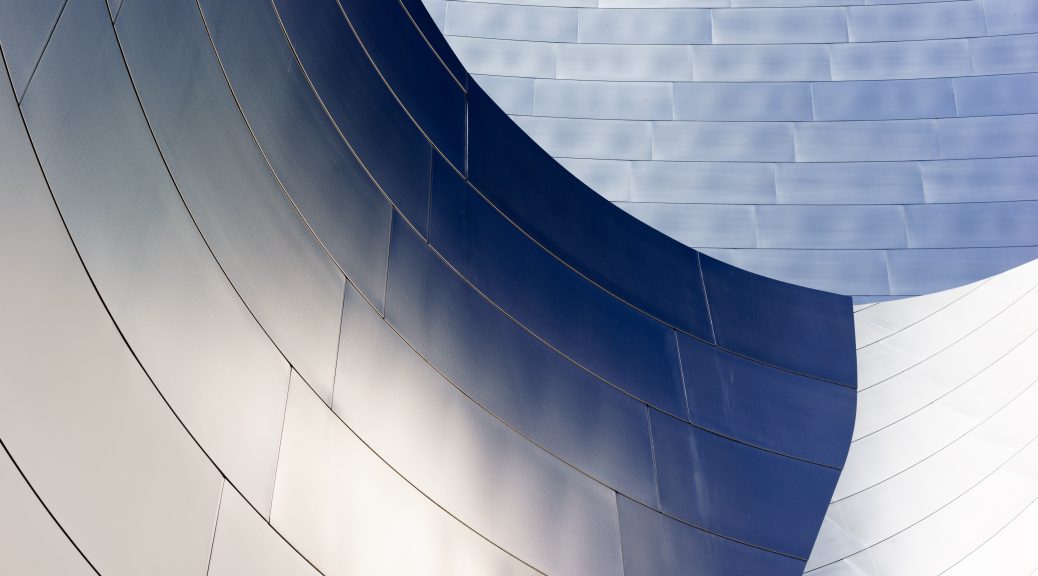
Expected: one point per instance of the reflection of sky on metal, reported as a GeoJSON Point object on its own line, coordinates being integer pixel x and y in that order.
{"type": "Point", "coordinates": [870, 150]}
{"type": "Point", "coordinates": [942, 475]}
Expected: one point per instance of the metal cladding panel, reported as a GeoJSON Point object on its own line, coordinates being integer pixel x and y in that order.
{"type": "Point", "coordinates": [310, 299]}
{"type": "Point", "coordinates": [926, 21]}
{"type": "Point", "coordinates": [779, 25]}
{"type": "Point", "coordinates": [643, 26]}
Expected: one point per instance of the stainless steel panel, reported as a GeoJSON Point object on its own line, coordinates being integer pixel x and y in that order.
{"type": "Point", "coordinates": [202, 347]}
{"type": "Point", "coordinates": [513, 95]}
{"type": "Point", "coordinates": [849, 183]}
{"type": "Point", "coordinates": [348, 512]}
{"type": "Point", "coordinates": [262, 243]}
{"type": "Point", "coordinates": [994, 95]}
{"type": "Point", "coordinates": [988, 136]}
{"type": "Point", "coordinates": [742, 101]}
{"type": "Point", "coordinates": [662, 3]}
{"type": "Point", "coordinates": [245, 545]}
{"type": "Point", "coordinates": [761, 63]}
{"type": "Point", "coordinates": [980, 180]}
{"type": "Point", "coordinates": [511, 22]}
{"type": "Point", "coordinates": [857, 141]}
{"type": "Point", "coordinates": [923, 271]}
{"type": "Point", "coordinates": [893, 60]}
{"type": "Point", "coordinates": [558, 3]}
{"type": "Point", "coordinates": [591, 99]}
{"type": "Point", "coordinates": [931, 20]}
{"type": "Point", "coordinates": [840, 271]}
{"type": "Point", "coordinates": [1010, 550]}
{"type": "Point", "coordinates": [793, 3]}
{"type": "Point", "coordinates": [505, 57]}
{"type": "Point", "coordinates": [643, 26]}
{"type": "Point", "coordinates": [779, 25]}
{"type": "Point", "coordinates": [77, 412]}
{"type": "Point", "coordinates": [631, 62]}
{"type": "Point", "coordinates": [1005, 54]}
{"type": "Point", "coordinates": [31, 543]}
{"type": "Point", "coordinates": [25, 28]}
{"type": "Point", "coordinates": [707, 225]}
{"type": "Point", "coordinates": [721, 141]}
{"type": "Point", "coordinates": [464, 458]}
{"type": "Point", "coordinates": [883, 100]}
{"type": "Point", "coordinates": [438, 10]}
{"type": "Point", "coordinates": [845, 227]}
{"type": "Point", "coordinates": [580, 138]}
{"type": "Point", "coordinates": [972, 225]}
{"type": "Point", "coordinates": [703, 182]}
{"type": "Point", "coordinates": [610, 178]}
{"type": "Point", "coordinates": [1010, 16]}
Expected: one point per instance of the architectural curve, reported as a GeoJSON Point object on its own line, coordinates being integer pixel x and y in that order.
{"type": "Point", "coordinates": [287, 293]}
{"type": "Point", "coordinates": [870, 148]}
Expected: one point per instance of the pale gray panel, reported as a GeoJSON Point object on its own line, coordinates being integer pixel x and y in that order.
{"type": "Point", "coordinates": [753, 141]}
{"type": "Point", "coordinates": [643, 26]}
{"type": "Point", "coordinates": [511, 22]}
{"type": "Point", "coordinates": [348, 512]}
{"type": "Point", "coordinates": [793, 3]}
{"type": "Point", "coordinates": [988, 137]}
{"type": "Point", "coordinates": [981, 180]}
{"type": "Point", "coordinates": [779, 25]}
{"type": "Point", "coordinates": [558, 3]}
{"type": "Point", "coordinates": [202, 347]}
{"type": "Point", "coordinates": [463, 457]}
{"type": "Point", "coordinates": [1011, 16]}
{"type": "Point", "coordinates": [438, 10]}
{"type": "Point", "coordinates": [871, 2]}
{"type": "Point", "coordinates": [580, 138]}
{"type": "Point", "coordinates": [742, 101]}
{"type": "Point", "coordinates": [840, 271]}
{"type": "Point", "coordinates": [25, 27]}
{"type": "Point", "coordinates": [31, 544]}
{"type": "Point", "coordinates": [699, 225]}
{"type": "Point", "coordinates": [610, 178]}
{"type": "Point", "coordinates": [845, 227]}
{"type": "Point", "coordinates": [591, 99]}
{"type": "Point", "coordinates": [849, 183]}
{"type": "Point", "coordinates": [1010, 551]}
{"type": "Point", "coordinates": [245, 545]}
{"type": "Point", "coordinates": [884, 99]}
{"type": "Point", "coordinates": [973, 225]}
{"type": "Point", "coordinates": [856, 141]}
{"type": "Point", "coordinates": [513, 95]}
{"type": "Point", "coordinates": [1005, 54]}
{"type": "Point", "coordinates": [893, 60]}
{"type": "Point", "coordinates": [262, 243]}
{"type": "Point", "coordinates": [77, 412]}
{"type": "Point", "coordinates": [924, 271]}
{"type": "Point", "coordinates": [930, 20]}
{"type": "Point", "coordinates": [703, 182]}
{"type": "Point", "coordinates": [663, 3]}
{"type": "Point", "coordinates": [505, 57]}
{"type": "Point", "coordinates": [994, 95]}
{"type": "Point", "coordinates": [761, 63]}
{"type": "Point", "coordinates": [631, 62]}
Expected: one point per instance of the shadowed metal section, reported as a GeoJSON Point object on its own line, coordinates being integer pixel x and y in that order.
{"type": "Point", "coordinates": [286, 292]}
{"type": "Point", "coordinates": [806, 141]}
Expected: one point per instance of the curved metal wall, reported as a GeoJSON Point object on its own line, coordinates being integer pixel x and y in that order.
{"type": "Point", "coordinates": [870, 148]}
{"type": "Point", "coordinates": [942, 475]}
{"type": "Point", "coordinates": [286, 293]}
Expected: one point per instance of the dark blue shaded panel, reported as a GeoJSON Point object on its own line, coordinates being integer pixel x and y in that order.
{"type": "Point", "coordinates": [656, 545]}
{"type": "Point", "coordinates": [616, 251]}
{"type": "Point", "coordinates": [742, 492]}
{"type": "Point", "coordinates": [432, 33]}
{"type": "Point", "coordinates": [767, 407]}
{"type": "Point", "coordinates": [557, 404]}
{"type": "Point", "coordinates": [800, 329]}
{"type": "Point", "coordinates": [617, 342]}
{"type": "Point", "coordinates": [25, 28]}
{"type": "Point", "coordinates": [328, 184]}
{"type": "Point", "coordinates": [381, 132]}
{"type": "Point", "coordinates": [409, 65]}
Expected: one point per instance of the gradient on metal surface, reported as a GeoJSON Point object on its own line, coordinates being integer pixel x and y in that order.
{"type": "Point", "coordinates": [287, 293]}
{"type": "Point", "coordinates": [838, 144]}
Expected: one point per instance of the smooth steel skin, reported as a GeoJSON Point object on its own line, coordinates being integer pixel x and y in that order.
{"type": "Point", "coordinates": [288, 293]}
{"type": "Point", "coordinates": [813, 102]}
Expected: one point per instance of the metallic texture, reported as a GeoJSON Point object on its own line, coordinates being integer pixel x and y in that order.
{"type": "Point", "coordinates": [286, 292]}
{"type": "Point", "coordinates": [785, 107]}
